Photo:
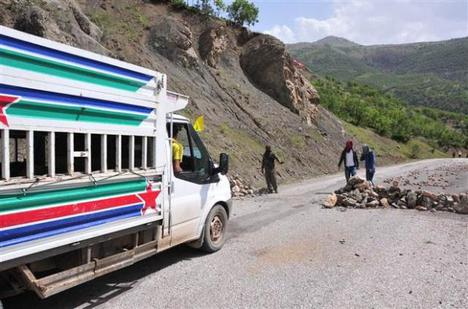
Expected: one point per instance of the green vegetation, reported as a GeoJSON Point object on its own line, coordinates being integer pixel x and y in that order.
{"type": "Point", "coordinates": [391, 150]}
{"type": "Point", "coordinates": [239, 12]}
{"type": "Point", "coordinates": [129, 25]}
{"type": "Point", "coordinates": [364, 106]}
{"type": "Point", "coordinates": [243, 12]}
{"type": "Point", "coordinates": [421, 74]}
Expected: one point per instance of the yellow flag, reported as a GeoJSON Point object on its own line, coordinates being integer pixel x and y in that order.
{"type": "Point", "coordinates": [199, 124]}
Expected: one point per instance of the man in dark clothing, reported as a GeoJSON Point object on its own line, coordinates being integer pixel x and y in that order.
{"type": "Point", "coordinates": [350, 159]}
{"type": "Point", "coordinates": [268, 169]}
{"type": "Point", "coordinates": [368, 157]}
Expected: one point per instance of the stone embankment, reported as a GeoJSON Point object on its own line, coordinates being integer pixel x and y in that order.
{"type": "Point", "coordinates": [358, 193]}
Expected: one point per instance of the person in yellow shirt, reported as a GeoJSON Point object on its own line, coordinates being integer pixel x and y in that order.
{"type": "Point", "coordinates": [177, 151]}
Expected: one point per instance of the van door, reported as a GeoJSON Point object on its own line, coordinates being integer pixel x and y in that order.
{"type": "Point", "coordinates": [192, 186]}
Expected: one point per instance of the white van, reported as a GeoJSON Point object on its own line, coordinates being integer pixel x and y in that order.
{"type": "Point", "coordinates": [87, 182]}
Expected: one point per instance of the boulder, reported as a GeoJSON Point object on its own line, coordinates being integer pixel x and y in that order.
{"type": "Point", "coordinates": [462, 206]}
{"type": "Point", "coordinates": [213, 42]}
{"type": "Point", "coordinates": [363, 186]}
{"type": "Point", "coordinates": [356, 180]}
{"type": "Point", "coordinates": [340, 198]}
{"type": "Point", "coordinates": [411, 199]}
{"type": "Point", "coordinates": [173, 40]}
{"type": "Point", "coordinates": [330, 201]}
{"type": "Point", "coordinates": [356, 195]}
{"type": "Point", "coordinates": [429, 195]}
{"type": "Point", "coordinates": [373, 204]}
{"type": "Point", "coordinates": [349, 202]}
{"type": "Point", "coordinates": [61, 21]}
{"type": "Point", "coordinates": [269, 66]}
{"type": "Point", "coordinates": [426, 201]}
{"type": "Point", "coordinates": [421, 208]}
{"type": "Point", "coordinates": [384, 203]}
{"type": "Point", "coordinates": [32, 19]}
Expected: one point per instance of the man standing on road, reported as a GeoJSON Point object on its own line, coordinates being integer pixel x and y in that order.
{"type": "Point", "coordinates": [368, 157]}
{"type": "Point", "coordinates": [268, 169]}
{"type": "Point", "coordinates": [350, 159]}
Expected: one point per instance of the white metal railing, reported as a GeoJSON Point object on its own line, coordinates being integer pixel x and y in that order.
{"type": "Point", "coordinates": [9, 156]}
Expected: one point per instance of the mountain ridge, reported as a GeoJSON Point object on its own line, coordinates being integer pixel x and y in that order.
{"type": "Point", "coordinates": [433, 74]}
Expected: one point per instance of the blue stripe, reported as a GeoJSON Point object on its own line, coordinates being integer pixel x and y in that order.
{"type": "Point", "coordinates": [46, 51]}
{"type": "Point", "coordinates": [47, 229]}
{"type": "Point", "coordinates": [70, 99]}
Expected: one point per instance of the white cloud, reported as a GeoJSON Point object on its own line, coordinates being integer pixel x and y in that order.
{"type": "Point", "coordinates": [382, 21]}
{"type": "Point", "coordinates": [283, 32]}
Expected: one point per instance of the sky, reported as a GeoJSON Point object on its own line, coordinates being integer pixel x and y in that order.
{"type": "Point", "coordinates": [365, 22]}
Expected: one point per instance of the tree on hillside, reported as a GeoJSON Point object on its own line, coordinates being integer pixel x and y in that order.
{"type": "Point", "coordinates": [220, 7]}
{"type": "Point", "coordinates": [243, 12]}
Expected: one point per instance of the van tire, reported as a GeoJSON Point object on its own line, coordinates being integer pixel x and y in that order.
{"type": "Point", "coordinates": [214, 232]}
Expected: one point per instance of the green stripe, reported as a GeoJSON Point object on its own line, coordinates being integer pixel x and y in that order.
{"type": "Point", "coordinates": [46, 66]}
{"type": "Point", "coordinates": [38, 199]}
{"type": "Point", "coordinates": [32, 109]}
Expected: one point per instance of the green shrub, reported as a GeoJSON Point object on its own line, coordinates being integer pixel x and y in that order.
{"type": "Point", "coordinates": [243, 12]}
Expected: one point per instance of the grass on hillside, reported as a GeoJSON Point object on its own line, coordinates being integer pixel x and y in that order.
{"type": "Point", "coordinates": [368, 107]}
{"type": "Point", "coordinates": [393, 151]}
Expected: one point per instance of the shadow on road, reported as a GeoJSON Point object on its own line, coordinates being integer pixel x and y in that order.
{"type": "Point", "coordinates": [101, 290]}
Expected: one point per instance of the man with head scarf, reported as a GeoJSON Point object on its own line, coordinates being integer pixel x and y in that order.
{"type": "Point", "coordinates": [368, 157]}
{"type": "Point", "coordinates": [349, 157]}
{"type": "Point", "coordinates": [268, 169]}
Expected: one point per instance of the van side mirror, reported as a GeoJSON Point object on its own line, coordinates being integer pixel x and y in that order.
{"type": "Point", "coordinates": [223, 164]}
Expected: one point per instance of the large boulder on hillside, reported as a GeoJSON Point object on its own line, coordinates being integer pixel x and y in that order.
{"type": "Point", "coordinates": [61, 21]}
{"type": "Point", "coordinates": [33, 20]}
{"type": "Point", "coordinates": [174, 40]}
{"type": "Point", "coordinates": [269, 66]}
{"type": "Point", "coordinates": [212, 43]}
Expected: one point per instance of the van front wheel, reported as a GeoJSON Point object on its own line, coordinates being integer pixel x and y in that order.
{"type": "Point", "coordinates": [215, 229]}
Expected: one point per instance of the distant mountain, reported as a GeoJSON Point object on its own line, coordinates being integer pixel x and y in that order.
{"type": "Point", "coordinates": [431, 74]}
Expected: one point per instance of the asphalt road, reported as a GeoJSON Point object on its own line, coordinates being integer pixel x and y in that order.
{"type": "Point", "coordinates": [284, 250]}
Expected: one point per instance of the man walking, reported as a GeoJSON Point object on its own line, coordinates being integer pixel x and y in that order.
{"type": "Point", "coordinates": [268, 169]}
{"type": "Point", "coordinates": [368, 157]}
{"type": "Point", "coordinates": [349, 157]}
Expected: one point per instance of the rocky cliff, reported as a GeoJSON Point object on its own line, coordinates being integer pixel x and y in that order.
{"type": "Point", "coordinates": [244, 83]}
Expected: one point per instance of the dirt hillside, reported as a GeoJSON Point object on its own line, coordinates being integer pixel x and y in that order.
{"type": "Point", "coordinates": [244, 83]}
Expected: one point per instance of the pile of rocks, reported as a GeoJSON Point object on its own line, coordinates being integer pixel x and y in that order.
{"type": "Point", "coordinates": [239, 187]}
{"type": "Point", "coordinates": [359, 194]}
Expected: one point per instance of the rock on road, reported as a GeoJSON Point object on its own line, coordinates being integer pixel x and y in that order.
{"type": "Point", "coordinates": [285, 250]}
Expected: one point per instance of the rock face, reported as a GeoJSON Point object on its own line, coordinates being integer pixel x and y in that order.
{"type": "Point", "coordinates": [173, 39]}
{"type": "Point", "coordinates": [266, 62]}
{"type": "Point", "coordinates": [213, 42]}
{"type": "Point", "coordinates": [61, 21]}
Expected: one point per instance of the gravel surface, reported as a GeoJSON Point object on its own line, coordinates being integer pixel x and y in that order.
{"type": "Point", "coordinates": [284, 250]}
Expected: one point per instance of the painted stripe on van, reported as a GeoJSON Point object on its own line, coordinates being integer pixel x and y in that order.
{"type": "Point", "coordinates": [20, 202]}
{"type": "Point", "coordinates": [41, 214]}
{"type": "Point", "coordinates": [31, 109]}
{"type": "Point", "coordinates": [34, 94]}
{"type": "Point", "coordinates": [45, 66]}
{"type": "Point", "coordinates": [60, 55]}
{"type": "Point", "coordinates": [38, 231]}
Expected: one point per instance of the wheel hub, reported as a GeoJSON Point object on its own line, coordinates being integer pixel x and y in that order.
{"type": "Point", "coordinates": [216, 229]}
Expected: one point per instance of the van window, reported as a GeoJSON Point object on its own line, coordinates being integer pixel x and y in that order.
{"type": "Point", "coordinates": [31, 154]}
{"type": "Point", "coordinates": [196, 163]}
